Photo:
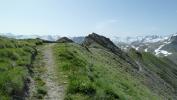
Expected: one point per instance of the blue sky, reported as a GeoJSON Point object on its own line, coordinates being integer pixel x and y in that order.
{"type": "Point", "coordinates": [81, 17]}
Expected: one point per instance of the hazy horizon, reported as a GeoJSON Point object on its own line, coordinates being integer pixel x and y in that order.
{"type": "Point", "coordinates": [79, 18]}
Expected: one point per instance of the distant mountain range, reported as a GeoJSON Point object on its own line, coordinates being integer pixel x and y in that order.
{"type": "Point", "coordinates": [158, 45]}
{"type": "Point", "coordinates": [45, 37]}
{"type": "Point", "coordinates": [78, 39]}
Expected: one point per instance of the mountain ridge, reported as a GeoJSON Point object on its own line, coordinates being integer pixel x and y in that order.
{"type": "Point", "coordinates": [95, 69]}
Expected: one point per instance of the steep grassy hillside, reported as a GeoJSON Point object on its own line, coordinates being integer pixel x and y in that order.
{"type": "Point", "coordinates": [98, 70]}
{"type": "Point", "coordinates": [15, 61]}
{"type": "Point", "coordinates": [162, 70]}
{"type": "Point", "coordinates": [97, 74]}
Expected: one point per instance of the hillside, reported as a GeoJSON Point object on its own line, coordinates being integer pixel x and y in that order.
{"type": "Point", "coordinates": [91, 76]}
{"type": "Point", "coordinates": [96, 69]}
{"type": "Point", "coordinates": [16, 57]}
{"type": "Point", "coordinates": [99, 70]}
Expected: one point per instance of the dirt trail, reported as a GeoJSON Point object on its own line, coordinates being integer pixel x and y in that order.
{"type": "Point", "coordinates": [54, 90]}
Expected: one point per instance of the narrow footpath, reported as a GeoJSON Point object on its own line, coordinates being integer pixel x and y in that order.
{"type": "Point", "coordinates": [54, 90]}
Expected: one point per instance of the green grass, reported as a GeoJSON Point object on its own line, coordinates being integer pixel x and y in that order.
{"type": "Point", "coordinates": [165, 68]}
{"type": "Point", "coordinates": [98, 75]}
{"type": "Point", "coordinates": [40, 89]}
{"type": "Point", "coordinates": [15, 61]}
{"type": "Point", "coordinates": [160, 67]}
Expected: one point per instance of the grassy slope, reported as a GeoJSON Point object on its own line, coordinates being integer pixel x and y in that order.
{"type": "Point", "coordinates": [166, 69]}
{"type": "Point", "coordinates": [15, 62]}
{"type": "Point", "coordinates": [98, 75]}
{"type": "Point", "coordinates": [162, 67]}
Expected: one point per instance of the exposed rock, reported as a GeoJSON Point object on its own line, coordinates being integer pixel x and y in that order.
{"type": "Point", "coordinates": [64, 40]}
{"type": "Point", "coordinates": [102, 41]}
{"type": "Point", "coordinates": [95, 40]}
{"type": "Point", "coordinates": [174, 39]}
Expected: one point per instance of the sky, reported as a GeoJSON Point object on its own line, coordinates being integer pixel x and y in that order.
{"type": "Point", "coordinates": [81, 17]}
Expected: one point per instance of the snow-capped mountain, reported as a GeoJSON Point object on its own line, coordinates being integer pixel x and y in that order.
{"type": "Point", "coordinates": [45, 37]}
{"type": "Point", "coordinates": [78, 39]}
{"type": "Point", "coordinates": [161, 46]}
{"type": "Point", "coordinates": [139, 39]}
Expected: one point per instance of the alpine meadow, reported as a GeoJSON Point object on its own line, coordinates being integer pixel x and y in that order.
{"type": "Point", "coordinates": [88, 50]}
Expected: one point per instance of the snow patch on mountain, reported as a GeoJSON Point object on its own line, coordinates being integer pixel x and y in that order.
{"type": "Point", "coordinates": [165, 53]}
{"type": "Point", "coordinates": [136, 48]}
{"type": "Point", "coordinates": [146, 50]}
{"type": "Point", "coordinates": [159, 51]}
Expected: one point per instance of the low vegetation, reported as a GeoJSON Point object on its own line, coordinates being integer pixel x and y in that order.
{"type": "Point", "coordinates": [15, 66]}
{"type": "Point", "coordinates": [98, 75]}
{"type": "Point", "coordinates": [39, 89]}
{"type": "Point", "coordinates": [94, 71]}
{"type": "Point", "coordinates": [162, 70]}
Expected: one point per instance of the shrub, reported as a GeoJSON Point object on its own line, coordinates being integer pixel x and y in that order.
{"type": "Point", "coordinates": [42, 90]}
{"type": "Point", "coordinates": [82, 85]}
{"type": "Point", "coordinates": [111, 95]}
